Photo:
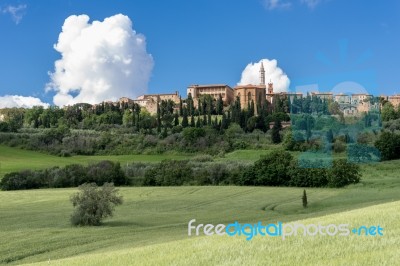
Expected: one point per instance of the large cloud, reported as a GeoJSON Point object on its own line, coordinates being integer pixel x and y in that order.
{"type": "Point", "coordinates": [99, 61]}
{"type": "Point", "coordinates": [10, 101]}
{"type": "Point", "coordinates": [251, 75]}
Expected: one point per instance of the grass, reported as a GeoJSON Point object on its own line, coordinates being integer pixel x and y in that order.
{"type": "Point", "coordinates": [13, 159]}
{"type": "Point", "coordinates": [318, 250]}
{"type": "Point", "coordinates": [153, 220]}
{"type": "Point", "coordinates": [35, 223]}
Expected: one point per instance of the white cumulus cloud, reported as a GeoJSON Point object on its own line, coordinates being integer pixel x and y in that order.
{"type": "Point", "coordinates": [102, 60]}
{"type": "Point", "coordinates": [9, 101]}
{"type": "Point", "coordinates": [251, 75]}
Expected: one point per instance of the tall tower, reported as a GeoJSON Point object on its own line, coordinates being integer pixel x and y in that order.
{"type": "Point", "coordinates": [262, 74]}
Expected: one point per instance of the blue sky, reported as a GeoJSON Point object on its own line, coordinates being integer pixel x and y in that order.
{"type": "Point", "coordinates": [212, 41]}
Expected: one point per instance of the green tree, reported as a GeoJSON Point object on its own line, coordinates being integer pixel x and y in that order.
{"type": "Point", "coordinates": [93, 204]}
{"type": "Point", "coordinates": [185, 121]}
{"type": "Point", "coordinates": [329, 136]}
{"type": "Point", "coordinates": [127, 118]}
{"type": "Point", "coordinates": [190, 104]}
{"type": "Point", "coordinates": [343, 173]}
{"type": "Point", "coordinates": [275, 135]}
{"type": "Point", "coordinates": [272, 169]}
{"type": "Point", "coordinates": [219, 105]}
{"type": "Point", "coordinates": [388, 112]}
{"type": "Point", "coordinates": [389, 145]}
{"type": "Point", "coordinates": [192, 123]}
{"type": "Point", "coordinates": [176, 119]}
{"type": "Point", "coordinates": [304, 199]}
{"type": "Point", "coordinates": [180, 106]}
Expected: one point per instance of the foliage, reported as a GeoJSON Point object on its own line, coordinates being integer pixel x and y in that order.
{"type": "Point", "coordinates": [343, 173]}
{"type": "Point", "coordinates": [93, 204]}
{"type": "Point", "coordinates": [168, 173]}
{"type": "Point", "coordinates": [304, 199]}
{"type": "Point", "coordinates": [276, 137]}
{"type": "Point", "coordinates": [69, 176]}
{"type": "Point", "coordinates": [388, 112]}
{"type": "Point", "coordinates": [272, 169]}
{"type": "Point", "coordinates": [389, 145]}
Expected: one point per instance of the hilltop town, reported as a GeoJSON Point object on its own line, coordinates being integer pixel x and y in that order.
{"type": "Point", "coordinates": [350, 104]}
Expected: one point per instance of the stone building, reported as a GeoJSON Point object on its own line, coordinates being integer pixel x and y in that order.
{"type": "Point", "coordinates": [394, 100]}
{"type": "Point", "coordinates": [149, 101]}
{"type": "Point", "coordinates": [251, 92]}
{"type": "Point", "coordinates": [323, 95]}
{"type": "Point", "coordinates": [214, 90]}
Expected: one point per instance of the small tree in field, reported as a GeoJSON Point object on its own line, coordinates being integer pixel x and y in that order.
{"type": "Point", "coordinates": [304, 198]}
{"type": "Point", "coordinates": [92, 203]}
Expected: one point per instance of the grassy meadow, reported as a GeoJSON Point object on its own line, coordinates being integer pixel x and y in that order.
{"type": "Point", "coordinates": [295, 250]}
{"type": "Point", "coordinates": [151, 226]}
{"type": "Point", "coordinates": [13, 159]}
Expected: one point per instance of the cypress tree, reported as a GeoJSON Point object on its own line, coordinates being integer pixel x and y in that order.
{"type": "Point", "coordinates": [304, 198]}
{"type": "Point", "coordinates": [251, 112]}
{"type": "Point", "coordinates": [224, 122]}
{"type": "Point", "coordinates": [180, 106]}
{"type": "Point", "coordinates": [198, 122]}
{"type": "Point", "coordinates": [192, 123]}
{"type": "Point", "coordinates": [220, 105]}
{"type": "Point", "coordinates": [190, 105]}
{"type": "Point", "coordinates": [176, 121]}
{"type": "Point", "coordinates": [276, 137]}
{"type": "Point", "coordinates": [158, 119]}
{"type": "Point", "coordinates": [185, 121]}
{"type": "Point", "coordinates": [329, 136]}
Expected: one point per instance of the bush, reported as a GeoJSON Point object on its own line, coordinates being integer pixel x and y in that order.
{"type": "Point", "coordinates": [272, 169]}
{"type": "Point", "coordinates": [93, 204]}
{"type": "Point", "coordinates": [339, 146]}
{"type": "Point", "coordinates": [307, 177]}
{"type": "Point", "coordinates": [69, 176]}
{"type": "Point", "coordinates": [389, 145]}
{"type": "Point", "coordinates": [191, 134]}
{"type": "Point", "coordinates": [106, 171]}
{"type": "Point", "coordinates": [343, 173]}
{"type": "Point", "coordinates": [359, 153]}
{"type": "Point", "coordinates": [168, 173]}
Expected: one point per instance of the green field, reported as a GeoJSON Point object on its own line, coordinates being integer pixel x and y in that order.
{"type": "Point", "coordinates": [13, 159]}
{"type": "Point", "coordinates": [151, 226]}
{"type": "Point", "coordinates": [295, 250]}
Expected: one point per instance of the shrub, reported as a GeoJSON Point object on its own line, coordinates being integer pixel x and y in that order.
{"type": "Point", "coordinates": [106, 171]}
{"type": "Point", "coordinates": [202, 158]}
{"type": "Point", "coordinates": [168, 173]}
{"type": "Point", "coordinates": [25, 179]}
{"type": "Point", "coordinates": [343, 173]}
{"type": "Point", "coordinates": [339, 146]}
{"type": "Point", "coordinates": [135, 172]}
{"type": "Point", "coordinates": [272, 169]}
{"type": "Point", "coordinates": [301, 176]}
{"type": "Point", "coordinates": [69, 176]}
{"type": "Point", "coordinates": [359, 153]}
{"type": "Point", "coordinates": [190, 134]}
{"type": "Point", "coordinates": [93, 204]}
{"type": "Point", "coordinates": [389, 145]}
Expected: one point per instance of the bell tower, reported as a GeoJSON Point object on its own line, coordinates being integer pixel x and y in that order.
{"type": "Point", "coordinates": [262, 74]}
{"type": "Point", "coordinates": [270, 87]}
